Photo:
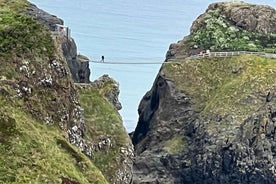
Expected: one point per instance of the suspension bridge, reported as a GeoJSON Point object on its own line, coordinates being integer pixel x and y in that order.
{"type": "Point", "coordinates": [197, 56]}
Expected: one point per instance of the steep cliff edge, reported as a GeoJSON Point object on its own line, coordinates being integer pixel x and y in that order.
{"type": "Point", "coordinates": [78, 65]}
{"type": "Point", "coordinates": [112, 147]}
{"type": "Point", "coordinates": [212, 120]}
{"type": "Point", "coordinates": [48, 133]}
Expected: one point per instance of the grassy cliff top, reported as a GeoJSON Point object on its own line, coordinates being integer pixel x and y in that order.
{"type": "Point", "coordinates": [14, 5]}
{"type": "Point", "coordinates": [225, 85]}
{"type": "Point", "coordinates": [233, 84]}
{"type": "Point", "coordinates": [19, 33]}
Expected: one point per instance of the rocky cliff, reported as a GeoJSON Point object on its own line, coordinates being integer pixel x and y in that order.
{"type": "Point", "coordinates": [112, 147]}
{"type": "Point", "coordinates": [78, 65]}
{"type": "Point", "coordinates": [51, 130]}
{"type": "Point", "coordinates": [212, 120]}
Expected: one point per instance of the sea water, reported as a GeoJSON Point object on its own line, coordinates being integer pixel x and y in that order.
{"type": "Point", "coordinates": [128, 31]}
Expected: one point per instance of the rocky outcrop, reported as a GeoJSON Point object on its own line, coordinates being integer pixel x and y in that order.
{"type": "Point", "coordinates": [78, 65]}
{"type": "Point", "coordinates": [112, 94]}
{"type": "Point", "coordinates": [43, 17]}
{"type": "Point", "coordinates": [253, 18]}
{"type": "Point", "coordinates": [47, 117]}
{"type": "Point", "coordinates": [210, 120]}
{"type": "Point", "coordinates": [81, 133]}
{"type": "Point", "coordinates": [105, 131]}
{"type": "Point", "coordinates": [115, 145]}
{"type": "Point", "coordinates": [229, 27]}
{"type": "Point", "coordinates": [39, 104]}
{"type": "Point", "coordinates": [164, 112]}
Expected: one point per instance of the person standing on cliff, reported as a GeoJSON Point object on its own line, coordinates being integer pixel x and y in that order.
{"type": "Point", "coordinates": [102, 59]}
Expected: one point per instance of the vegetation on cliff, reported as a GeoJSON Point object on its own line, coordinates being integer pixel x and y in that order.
{"type": "Point", "coordinates": [104, 127]}
{"type": "Point", "coordinates": [35, 153]}
{"type": "Point", "coordinates": [224, 85]}
{"type": "Point", "coordinates": [212, 119]}
{"type": "Point", "coordinates": [39, 104]}
{"type": "Point", "coordinates": [217, 32]}
{"type": "Point", "coordinates": [14, 40]}
{"type": "Point", "coordinates": [219, 35]}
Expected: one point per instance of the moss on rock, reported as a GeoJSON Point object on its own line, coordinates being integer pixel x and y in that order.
{"type": "Point", "coordinates": [105, 129]}
{"type": "Point", "coordinates": [38, 105]}
{"type": "Point", "coordinates": [222, 85]}
{"type": "Point", "coordinates": [34, 153]}
{"type": "Point", "coordinates": [216, 30]}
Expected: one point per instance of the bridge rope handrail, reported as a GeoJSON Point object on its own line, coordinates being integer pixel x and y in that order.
{"type": "Point", "coordinates": [134, 63]}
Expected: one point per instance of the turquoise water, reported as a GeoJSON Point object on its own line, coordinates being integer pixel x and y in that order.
{"type": "Point", "coordinates": [128, 31]}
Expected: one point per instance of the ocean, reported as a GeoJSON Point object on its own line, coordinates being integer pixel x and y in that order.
{"type": "Point", "coordinates": [128, 31]}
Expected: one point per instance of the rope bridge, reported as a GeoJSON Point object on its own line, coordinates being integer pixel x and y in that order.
{"type": "Point", "coordinates": [197, 56]}
{"type": "Point", "coordinates": [128, 63]}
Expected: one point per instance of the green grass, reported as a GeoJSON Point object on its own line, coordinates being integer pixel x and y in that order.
{"type": "Point", "coordinates": [35, 153]}
{"type": "Point", "coordinates": [217, 33]}
{"type": "Point", "coordinates": [102, 120]}
{"type": "Point", "coordinates": [32, 152]}
{"type": "Point", "coordinates": [175, 145]}
{"type": "Point", "coordinates": [18, 6]}
{"type": "Point", "coordinates": [223, 85]}
{"type": "Point", "coordinates": [12, 38]}
{"type": "Point", "coordinates": [21, 38]}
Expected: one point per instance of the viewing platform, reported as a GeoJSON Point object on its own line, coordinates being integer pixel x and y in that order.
{"type": "Point", "coordinates": [61, 30]}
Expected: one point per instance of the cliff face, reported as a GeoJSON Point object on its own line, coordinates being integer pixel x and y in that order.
{"type": "Point", "coordinates": [260, 19]}
{"type": "Point", "coordinates": [229, 27]}
{"type": "Point", "coordinates": [49, 132]}
{"type": "Point", "coordinates": [39, 105]}
{"type": "Point", "coordinates": [78, 65]}
{"type": "Point", "coordinates": [112, 147]}
{"type": "Point", "coordinates": [212, 120]}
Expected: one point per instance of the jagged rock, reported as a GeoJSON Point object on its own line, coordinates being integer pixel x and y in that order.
{"type": "Point", "coordinates": [163, 112]}
{"type": "Point", "coordinates": [78, 65]}
{"type": "Point", "coordinates": [106, 133]}
{"type": "Point", "coordinates": [255, 18]}
{"type": "Point", "coordinates": [203, 157]}
{"type": "Point", "coordinates": [112, 94]}
{"type": "Point", "coordinates": [44, 17]}
{"type": "Point", "coordinates": [188, 133]}
{"type": "Point", "coordinates": [41, 114]}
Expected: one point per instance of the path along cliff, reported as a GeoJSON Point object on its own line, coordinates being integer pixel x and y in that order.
{"type": "Point", "coordinates": [213, 120]}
